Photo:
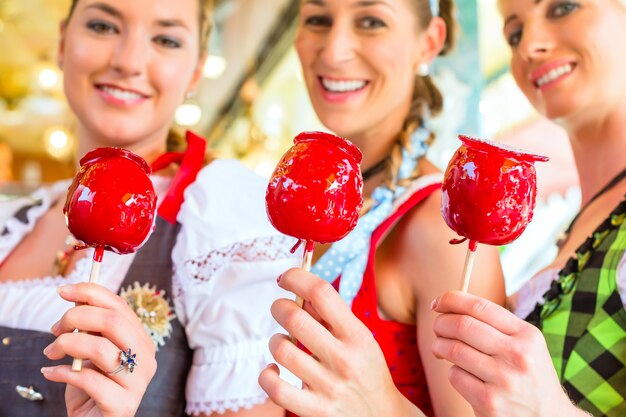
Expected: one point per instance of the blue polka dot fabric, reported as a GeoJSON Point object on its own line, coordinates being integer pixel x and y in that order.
{"type": "Point", "coordinates": [348, 257]}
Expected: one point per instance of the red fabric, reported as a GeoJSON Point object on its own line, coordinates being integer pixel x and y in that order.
{"type": "Point", "coordinates": [191, 162]}
{"type": "Point", "coordinates": [398, 341]}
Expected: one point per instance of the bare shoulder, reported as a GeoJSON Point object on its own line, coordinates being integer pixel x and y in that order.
{"type": "Point", "coordinates": [433, 264]}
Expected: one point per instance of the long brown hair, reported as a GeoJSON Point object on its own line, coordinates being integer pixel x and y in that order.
{"type": "Point", "coordinates": [426, 98]}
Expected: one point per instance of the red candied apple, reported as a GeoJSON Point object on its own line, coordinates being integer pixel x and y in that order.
{"type": "Point", "coordinates": [111, 202]}
{"type": "Point", "coordinates": [316, 191]}
{"type": "Point", "coordinates": [488, 192]}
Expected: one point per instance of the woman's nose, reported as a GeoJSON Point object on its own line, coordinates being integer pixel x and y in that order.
{"type": "Point", "coordinates": [537, 41]}
{"type": "Point", "coordinates": [130, 54]}
{"type": "Point", "coordinates": [339, 45]}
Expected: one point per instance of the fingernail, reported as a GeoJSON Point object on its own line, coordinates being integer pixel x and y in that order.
{"type": "Point", "coordinates": [47, 349]}
{"type": "Point", "coordinates": [434, 303]}
{"type": "Point", "coordinates": [46, 371]}
{"type": "Point", "coordinates": [61, 289]}
{"type": "Point", "coordinates": [279, 278]}
{"type": "Point", "coordinates": [55, 328]}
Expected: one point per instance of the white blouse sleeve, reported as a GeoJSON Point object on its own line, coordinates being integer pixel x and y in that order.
{"type": "Point", "coordinates": [227, 259]}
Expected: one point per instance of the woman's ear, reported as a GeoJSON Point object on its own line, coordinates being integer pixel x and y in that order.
{"type": "Point", "coordinates": [432, 41]}
{"type": "Point", "coordinates": [61, 46]}
{"type": "Point", "coordinates": [197, 73]}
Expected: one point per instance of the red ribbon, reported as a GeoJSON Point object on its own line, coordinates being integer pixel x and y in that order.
{"type": "Point", "coordinates": [191, 162]}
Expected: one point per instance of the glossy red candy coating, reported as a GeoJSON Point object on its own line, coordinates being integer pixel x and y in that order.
{"type": "Point", "coordinates": [488, 192]}
{"type": "Point", "coordinates": [316, 190]}
{"type": "Point", "coordinates": [111, 202]}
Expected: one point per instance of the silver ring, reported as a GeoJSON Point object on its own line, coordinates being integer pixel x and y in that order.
{"type": "Point", "coordinates": [128, 361]}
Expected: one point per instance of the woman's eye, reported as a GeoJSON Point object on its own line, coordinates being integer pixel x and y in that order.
{"type": "Point", "coordinates": [318, 21]}
{"type": "Point", "coordinates": [563, 9]}
{"type": "Point", "coordinates": [371, 23]}
{"type": "Point", "coordinates": [514, 38]}
{"type": "Point", "coordinates": [101, 27]}
{"type": "Point", "coordinates": [167, 42]}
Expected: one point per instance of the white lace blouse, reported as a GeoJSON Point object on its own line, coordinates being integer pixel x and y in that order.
{"type": "Point", "coordinates": [226, 261]}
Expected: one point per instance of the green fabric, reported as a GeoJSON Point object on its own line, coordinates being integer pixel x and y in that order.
{"type": "Point", "coordinates": [586, 332]}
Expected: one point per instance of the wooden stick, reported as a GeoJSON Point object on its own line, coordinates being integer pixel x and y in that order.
{"type": "Point", "coordinates": [306, 265]}
{"type": "Point", "coordinates": [467, 269]}
{"type": "Point", "coordinates": [307, 259]}
{"type": "Point", "coordinates": [77, 363]}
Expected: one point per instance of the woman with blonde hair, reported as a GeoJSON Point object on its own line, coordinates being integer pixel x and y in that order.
{"type": "Point", "coordinates": [198, 290]}
{"type": "Point", "coordinates": [568, 357]}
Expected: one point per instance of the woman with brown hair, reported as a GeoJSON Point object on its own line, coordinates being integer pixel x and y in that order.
{"type": "Point", "coordinates": [365, 65]}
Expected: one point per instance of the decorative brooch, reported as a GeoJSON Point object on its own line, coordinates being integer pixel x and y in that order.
{"type": "Point", "coordinates": [152, 309]}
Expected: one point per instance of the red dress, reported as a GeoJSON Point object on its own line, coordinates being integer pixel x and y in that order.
{"type": "Point", "coordinates": [398, 341]}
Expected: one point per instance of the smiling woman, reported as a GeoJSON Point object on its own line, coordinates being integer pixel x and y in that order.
{"type": "Point", "coordinates": [127, 65]}
{"type": "Point", "coordinates": [365, 65]}
{"type": "Point", "coordinates": [565, 60]}
{"type": "Point", "coordinates": [168, 46]}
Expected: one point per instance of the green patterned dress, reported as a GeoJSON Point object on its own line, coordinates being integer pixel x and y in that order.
{"type": "Point", "coordinates": [584, 321]}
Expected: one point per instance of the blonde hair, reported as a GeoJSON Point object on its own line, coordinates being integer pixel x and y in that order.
{"type": "Point", "coordinates": [426, 99]}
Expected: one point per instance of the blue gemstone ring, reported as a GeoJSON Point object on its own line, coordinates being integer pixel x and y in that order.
{"type": "Point", "coordinates": [128, 360]}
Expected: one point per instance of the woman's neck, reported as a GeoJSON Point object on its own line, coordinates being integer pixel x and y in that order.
{"type": "Point", "coordinates": [599, 147]}
{"type": "Point", "coordinates": [149, 148]}
{"type": "Point", "coordinates": [374, 149]}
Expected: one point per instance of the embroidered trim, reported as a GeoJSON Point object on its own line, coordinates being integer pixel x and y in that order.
{"type": "Point", "coordinates": [16, 229]}
{"type": "Point", "coordinates": [574, 265]}
{"type": "Point", "coordinates": [209, 407]}
{"type": "Point", "coordinates": [79, 273]}
{"type": "Point", "coordinates": [258, 249]}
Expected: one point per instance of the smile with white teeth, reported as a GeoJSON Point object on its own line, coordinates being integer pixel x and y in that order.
{"type": "Point", "coordinates": [121, 94]}
{"type": "Point", "coordinates": [343, 86]}
{"type": "Point", "coordinates": [554, 74]}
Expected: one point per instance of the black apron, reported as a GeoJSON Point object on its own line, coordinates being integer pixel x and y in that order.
{"type": "Point", "coordinates": [21, 351]}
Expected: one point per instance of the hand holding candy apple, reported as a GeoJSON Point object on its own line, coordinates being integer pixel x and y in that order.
{"type": "Point", "coordinates": [110, 205]}
{"type": "Point", "coordinates": [316, 191]}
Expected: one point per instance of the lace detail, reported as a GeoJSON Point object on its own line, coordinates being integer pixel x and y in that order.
{"type": "Point", "coordinates": [524, 300]}
{"type": "Point", "coordinates": [234, 404]}
{"type": "Point", "coordinates": [79, 274]}
{"type": "Point", "coordinates": [15, 229]}
{"type": "Point", "coordinates": [262, 249]}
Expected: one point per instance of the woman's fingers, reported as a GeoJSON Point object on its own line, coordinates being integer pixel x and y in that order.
{"type": "Point", "coordinates": [473, 389]}
{"type": "Point", "coordinates": [324, 299]}
{"type": "Point", "coordinates": [103, 354]}
{"type": "Point", "coordinates": [123, 332]}
{"type": "Point", "coordinates": [483, 366]}
{"type": "Point", "coordinates": [301, 364]}
{"type": "Point", "coordinates": [470, 331]}
{"type": "Point", "coordinates": [120, 332]}
{"type": "Point", "coordinates": [308, 331]}
{"type": "Point", "coordinates": [96, 385]}
{"type": "Point", "coordinates": [457, 302]}
{"type": "Point", "coordinates": [287, 396]}
{"type": "Point", "coordinates": [95, 295]}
